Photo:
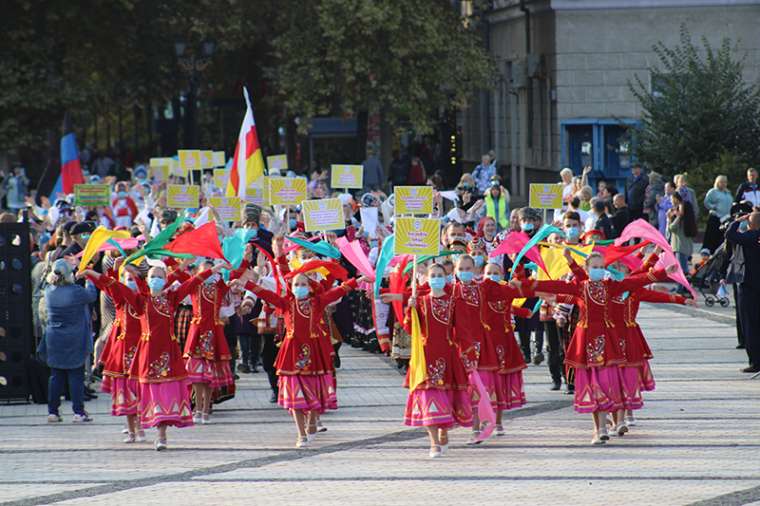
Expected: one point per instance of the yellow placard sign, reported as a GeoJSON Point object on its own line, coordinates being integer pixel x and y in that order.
{"type": "Point", "coordinates": [287, 191]}
{"type": "Point", "coordinates": [189, 159]}
{"type": "Point", "coordinates": [545, 196]}
{"type": "Point", "coordinates": [258, 192]}
{"type": "Point", "coordinates": [182, 196]}
{"type": "Point", "coordinates": [413, 200]}
{"type": "Point", "coordinates": [228, 208]}
{"type": "Point", "coordinates": [417, 236]}
{"type": "Point", "coordinates": [277, 163]}
{"type": "Point", "coordinates": [160, 173]}
{"type": "Point", "coordinates": [91, 195]}
{"type": "Point", "coordinates": [157, 162]}
{"type": "Point", "coordinates": [220, 178]}
{"type": "Point", "coordinates": [322, 215]}
{"type": "Point", "coordinates": [207, 159]}
{"type": "Point", "coordinates": [218, 159]}
{"type": "Point", "coordinates": [346, 176]}
{"type": "Point", "coordinates": [175, 169]}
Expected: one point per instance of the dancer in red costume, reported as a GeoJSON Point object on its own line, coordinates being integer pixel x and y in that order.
{"type": "Point", "coordinates": [594, 350]}
{"type": "Point", "coordinates": [306, 386]}
{"type": "Point", "coordinates": [472, 333]}
{"type": "Point", "coordinates": [206, 352]}
{"type": "Point", "coordinates": [158, 365]}
{"type": "Point", "coordinates": [121, 349]}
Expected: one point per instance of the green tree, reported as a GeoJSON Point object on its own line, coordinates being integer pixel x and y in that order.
{"type": "Point", "coordinates": [404, 60]}
{"type": "Point", "coordinates": [700, 115]}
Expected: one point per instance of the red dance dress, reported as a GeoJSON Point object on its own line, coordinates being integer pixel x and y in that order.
{"type": "Point", "coordinates": [207, 355]}
{"type": "Point", "coordinates": [158, 365]}
{"type": "Point", "coordinates": [304, 362]}
{"type": "Point", "coordinates": [483, 318]}
{"type": "Point", "coordinates": [122, 346]}
{"type": "Point", "coordinates": [594, 350]}
{"type": "Point", "coordinates": [443, 399]}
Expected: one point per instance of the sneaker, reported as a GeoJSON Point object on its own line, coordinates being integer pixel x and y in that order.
{"type": "Point", "coordinates": [310, 437]}
{"type": "Point", "coordinates": [54, 418]}
{"type": "Point", "coordinates": [302, 442]}
{"type": "Point", "coordinates": [603, 434]}
{"type": "Point", "coordinates": [320, 427]}
{"type": "Point", "coordinates": [630, 421]}
{"type": "Point", "coordinates": [750, 369]}
{"type": "Point", "coordinates": [620, 429]}
{"type": "Point", "coordinates": [125, 430]}
{"type": "Point", "coordinates": [83, 418]}
{"type": "Point", "coordinates": [244, 368]}
{"type": "Point", "coordinates": [499, 430]}
{"type": "Point", "coordinates": [435, 452]}
{"type": "Point", "coordinates": [197, 417]}
{"type": "Point", "coordinates": [140, 436]}
{"type": "Point", "coordinates": [538, 358]}
{"type": "Point", "coordinates": [273, 398]}
{"type": "Point", "coordinates": [160, 445]}
{"type": "Point", "coordinates": [205, 419]}
{"type": "Point", "coordinates": [444, 449]}
{"type": "Point", "coordinates": [131, 438]}
{"type": "Point", "coordinates": [556, 386]}
{"type": "Point", "coordinates": [597, 440]}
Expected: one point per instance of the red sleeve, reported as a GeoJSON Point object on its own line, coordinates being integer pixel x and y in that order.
{"type": "Point", "coordinates": [142, 285]}
{"type": "Point", "coordinates": [522, 312]}
{"type": "Point", "coordinates": [336, 293]}
{"type": "Point", "coordinates": [565, 299]}
{"type": "Point", "coordinates": [578, 271]}
{"type": "Point", "coordinates": [240, 270]}
{"type": "Point", "coordinates": [177, 275]}
{"type": "Point", "coordinates": [633, 283]}
{"type": "Point", "coordinates": [132, 207]}
{"type": "Point", "coordinates": [497, 291]}
{"type": "Point", "coordinates": [282, 265]}
{"type": "Point", "coordinates": [267, 296]}
{"type": "Point", "coordinates": [191, 284]}
{"type": "Point", "coordinates": [558, 287]}
{"type": "Point", "coordinates": [647, 295]}
{"type": "Point", "coordinates": [648, 264]}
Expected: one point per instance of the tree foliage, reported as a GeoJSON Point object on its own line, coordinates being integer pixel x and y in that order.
{"type": "Point", "coordinates": [701, 114]}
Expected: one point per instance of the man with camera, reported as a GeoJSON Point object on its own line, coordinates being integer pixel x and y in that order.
{"type": "Point", "coordinates": [744, 233]}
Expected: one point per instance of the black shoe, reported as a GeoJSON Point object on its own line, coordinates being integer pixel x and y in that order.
{"type": "Point", "coordinates": [244, 368]}
{"type": "Point", "coordinates": [98, 372]}
{"type": "Point", "coordinates": [538, 358]}
{"type": "Point", "coordinates": [273, 398]}
{"type": "Point", "coordinates": [236, 377]}
{"type": "Point", "coordinates": [254, 370]}
{"type": "Point", "coordinates": [570, 390]}
{"type": "Point", "coordinates": [89, 391]}
{"type": "Point", "coordinates": [89, 397]}
{"type": "Point", "coordinates": [751, 369]}
{"type": "Point", "coordinates": [555, 386]}
{"type": "Point", "coordinates": [740, 347]}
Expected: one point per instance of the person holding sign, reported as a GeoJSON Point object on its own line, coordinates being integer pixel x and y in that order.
{"type": "Point", "coordinates": [306, 385]}
{"type": "Point", "coordinates": [158, 365]}
{"type": "Point", "coordinates": [124, 209]}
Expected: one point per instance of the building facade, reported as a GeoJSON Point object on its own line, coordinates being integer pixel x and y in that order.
{"type": "Point", "coordinates": [563, 97]}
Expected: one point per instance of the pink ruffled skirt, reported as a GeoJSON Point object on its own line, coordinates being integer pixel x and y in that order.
{"type": "Point", "coordinates": [504, 390]}
{"type": "Point", "coordinates": [123, 394]}
{"type": "Point", "coordinates": [202, 370]}
{"type": "Point", "coordinates": [631, 382]}
{"type": "Point", "coordinates": [442, 408]}
{"type": "Point", "coordinates": [309, 392]}
{"type": "Point", "coordinates": [646, 377]}
{"type": "Point", "coordinates": [165, 403]}
{"type": "Point", "coordinates": [598, 389]}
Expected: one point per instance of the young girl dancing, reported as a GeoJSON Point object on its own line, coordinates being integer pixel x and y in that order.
{"type": "Point", "coordinates": [594, 350]}
{"type": "Point", "coordinates": [305, 384]}
{"type": "Point", "coordinates": [158, 367]}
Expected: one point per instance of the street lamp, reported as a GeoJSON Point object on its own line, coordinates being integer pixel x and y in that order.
{"type": "Point", "coordinates": [192, 63]}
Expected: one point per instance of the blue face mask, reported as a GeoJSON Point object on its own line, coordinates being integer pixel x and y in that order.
{"type": "Point", "coordinates": [156, 284]}
{"type": "Point", "coordinates": [131, 285]}
{"type": "Point", "coordinates": [479, 260]}
{"type": "Point", "coordinates": [465, 276]}
{"type": "Point", "coordinates": [743, 226]}
{"type": "Point", "coordinates": [301, 292]}
{"type": "Point", "coordinates": [495, 277]}
{"type": "Point", "coordinates": [526, 227]}
{"type": "Point", "coordinates": [596, 273]}
{"type": "Point", "coordinates": [437, 283]}
{"type": "Point", "coordinates": [292, 223]}
{"type": "Point", "coordinates": [449, 279]}
{"type": "Point", "coordinates": [122, 194]}
{"type": "Point", "coordinates": [573, 233]}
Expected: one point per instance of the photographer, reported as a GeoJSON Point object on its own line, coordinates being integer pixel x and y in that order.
{"type": "Point", "coordinates": [744, 232]}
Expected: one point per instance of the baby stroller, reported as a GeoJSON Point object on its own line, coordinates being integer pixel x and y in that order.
{"type": "Point", "coordinates": [706, 278]}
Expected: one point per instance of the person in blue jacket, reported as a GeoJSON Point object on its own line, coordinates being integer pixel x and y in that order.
{"type": "Point", "coordinates": [67, 341]}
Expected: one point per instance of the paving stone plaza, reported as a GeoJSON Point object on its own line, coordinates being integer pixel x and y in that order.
{"type": "Point", "coordinates": [695, 443]}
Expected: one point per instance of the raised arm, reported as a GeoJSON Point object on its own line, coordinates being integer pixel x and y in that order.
{"type": "Point", "coordinates": [267, 296]}
{"type": "Point", "coordinates": [191, 284]}
{"type": "Point", "coordinates": [494, 291]}
{"type": "Point", "coordinates": [656, 296]}
{"type": "Point", "coordinates": [749, 238]}
{"type": "Point", "coordinates": [633, 283]}
{"type": "Point", "coordinates": [558, 287]}
{"type": "Point", "coordinates": [240, 270]}
{"type": "Point", "coordinates": [336, 293]}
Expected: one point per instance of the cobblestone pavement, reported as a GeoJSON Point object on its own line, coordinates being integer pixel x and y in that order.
{"type": "Point", "coordinates": [696, 442]}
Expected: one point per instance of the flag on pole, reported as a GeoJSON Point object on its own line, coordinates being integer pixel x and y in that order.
{"type": "Point", "coordinates": [248, 162]}
{"type": "Point", "coordinates": [71, 170]}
